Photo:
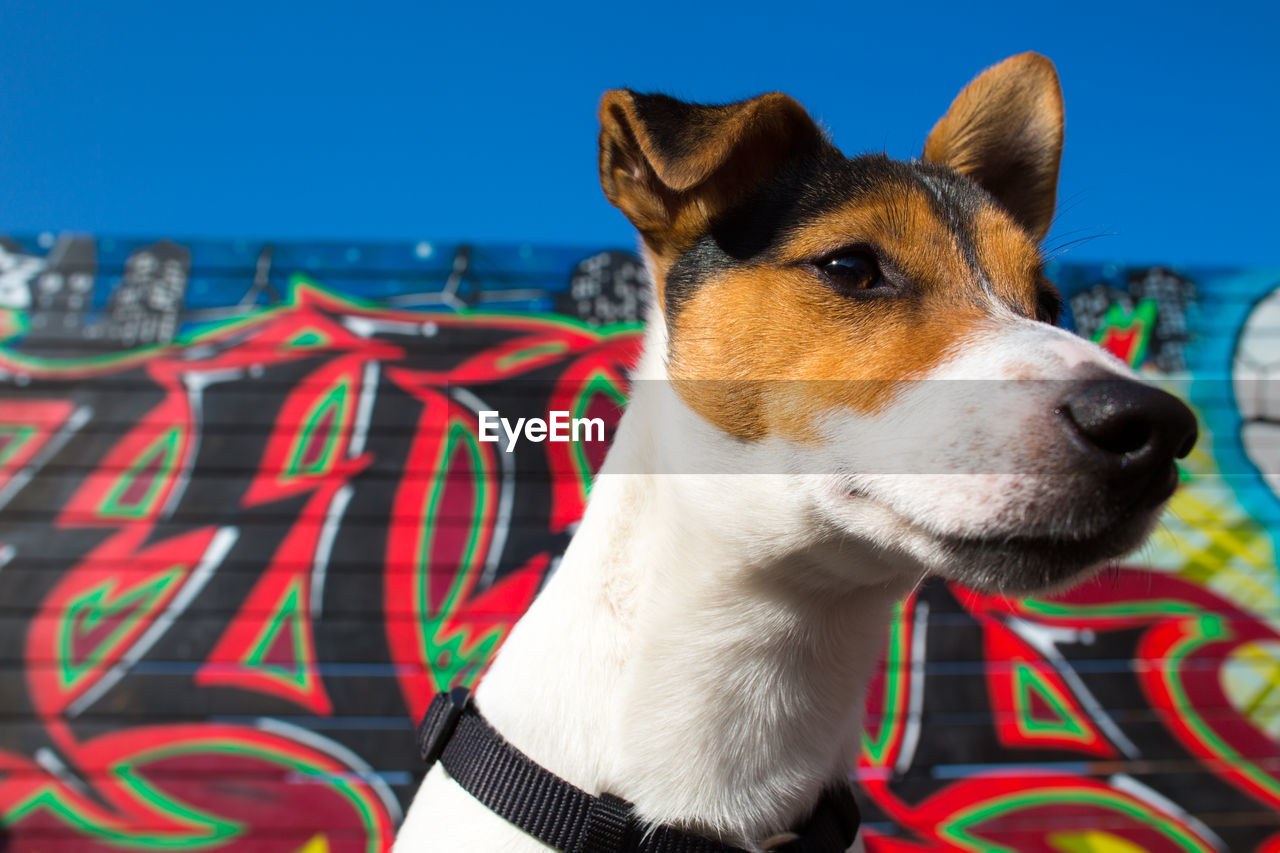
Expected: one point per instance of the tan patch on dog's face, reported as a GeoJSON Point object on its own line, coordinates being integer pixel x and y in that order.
{"type": "Point", "coordinates": [766, 347]}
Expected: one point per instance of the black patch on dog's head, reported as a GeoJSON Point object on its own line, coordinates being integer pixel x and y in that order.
{"type": "Point", "coordinates": [801, 192]}
{"type": "Point", "coordinates": [956, 200]}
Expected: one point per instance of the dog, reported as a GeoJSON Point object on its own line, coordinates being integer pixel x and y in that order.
{"type": "Point", "coordinates": [851, 379]}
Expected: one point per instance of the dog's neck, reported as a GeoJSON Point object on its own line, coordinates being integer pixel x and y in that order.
{"type": "Point", "coordinates": [693, 652]}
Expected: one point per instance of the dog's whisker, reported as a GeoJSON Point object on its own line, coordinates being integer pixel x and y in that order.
{"type": "Point", "coordinates": [1060, 250]}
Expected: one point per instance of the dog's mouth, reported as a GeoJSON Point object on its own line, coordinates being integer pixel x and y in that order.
{"type": "Point", "coordinates": [1027, 564]}
{"type": "Point", "coordinates": [1012, 562]}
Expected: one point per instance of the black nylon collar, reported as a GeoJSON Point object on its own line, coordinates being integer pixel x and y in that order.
{"type": "Point", "coordinates": [569, 819]}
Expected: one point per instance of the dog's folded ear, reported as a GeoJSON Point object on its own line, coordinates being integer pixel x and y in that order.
{"type": "Point", "coordinates": [1005, 131]}
{"type": "Point", "coordinates": [670, 166]}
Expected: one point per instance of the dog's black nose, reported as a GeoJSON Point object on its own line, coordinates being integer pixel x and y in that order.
{"type": "Point", "coordinates": [1136, 432]}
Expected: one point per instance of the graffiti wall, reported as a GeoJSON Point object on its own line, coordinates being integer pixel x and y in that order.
{"type": "Point", "coordinates": [246, 531]}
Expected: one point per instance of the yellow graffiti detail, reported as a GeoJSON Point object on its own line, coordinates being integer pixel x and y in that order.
{"type": "Point", "coordinates": [1092, 841]}
{"type": "Point", "coordinates": [1207, 537]}
{"type": "Point", "coordinates": [319, 843]}
{"type": "Point", "coordinates": [1251, 680]}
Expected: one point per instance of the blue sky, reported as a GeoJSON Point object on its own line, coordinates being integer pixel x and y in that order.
{"type": "Point", "coordinates": [477, 121]}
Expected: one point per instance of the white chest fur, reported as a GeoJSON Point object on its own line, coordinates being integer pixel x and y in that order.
{"type": "Point", "coordinates": [673, 659]}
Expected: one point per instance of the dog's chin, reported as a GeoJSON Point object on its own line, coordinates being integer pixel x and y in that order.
{"type": "Point", "coordinates": [1005, 561]}
{"type": "Point", "coordinates": [1035, 564]}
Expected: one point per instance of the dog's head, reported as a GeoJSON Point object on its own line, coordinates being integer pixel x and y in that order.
{"type": "Point", "coordinates": [890, 324]}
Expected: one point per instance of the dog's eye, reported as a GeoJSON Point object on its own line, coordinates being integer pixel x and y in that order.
{"type": "Point", "coordinates": [852, 271]}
